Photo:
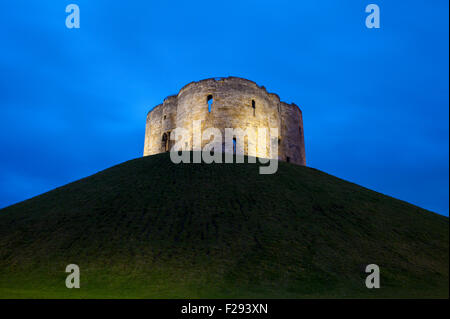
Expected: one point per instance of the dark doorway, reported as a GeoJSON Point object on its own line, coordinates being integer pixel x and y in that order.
{"type": "Point", "coordinates": [164, 142]}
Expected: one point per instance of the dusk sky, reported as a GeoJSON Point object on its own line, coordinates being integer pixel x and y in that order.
{"type": "Point", "coordinates": [375, 102]}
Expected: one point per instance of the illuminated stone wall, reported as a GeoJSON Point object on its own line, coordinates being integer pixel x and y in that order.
{"type": "Point", "coordinates": [236, 103]}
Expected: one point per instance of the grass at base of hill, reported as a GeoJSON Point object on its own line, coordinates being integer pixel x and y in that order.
{"type": "Point", "coordinates": [101, 284]}
{"type": "Point", "coordinates": [148, 228]}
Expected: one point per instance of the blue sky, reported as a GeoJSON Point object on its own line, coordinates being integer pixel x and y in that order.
{"type": "Point", "coordinates": [375, 102]}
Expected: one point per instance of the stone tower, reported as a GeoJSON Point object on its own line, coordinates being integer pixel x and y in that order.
{"type": "Point", "coordinates": [227, 103]}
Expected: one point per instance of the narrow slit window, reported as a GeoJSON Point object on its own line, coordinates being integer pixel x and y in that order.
{"type": "Point", "coordinates": [210, 101]}
{"type": "Point", "coordinates": [234, 145]}
{"type": "Point", "coordinates": [253, 107]}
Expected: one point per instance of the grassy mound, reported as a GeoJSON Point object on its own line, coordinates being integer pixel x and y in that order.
{"type": "Point", "coordinates": [148, 228]}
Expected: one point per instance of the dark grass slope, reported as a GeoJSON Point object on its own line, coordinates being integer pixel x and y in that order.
{"type": "Point", "coordinates": [152, 229]}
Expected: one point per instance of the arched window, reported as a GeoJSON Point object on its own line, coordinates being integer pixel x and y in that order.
{"type": "Point", "coordinates": [288, 159]}
{"type": "Point", "coordinates": [254, 107]}
{"type": "Point", "coordinates": [210, 101]}
{"type": "Point", "coordinates": [234, 145]}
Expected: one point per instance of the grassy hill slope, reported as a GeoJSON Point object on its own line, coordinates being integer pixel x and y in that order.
{"type": "Point", "coordinates": [148, 228]}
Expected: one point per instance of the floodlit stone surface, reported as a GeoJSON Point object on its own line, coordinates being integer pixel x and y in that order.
{"type": "Point", "coordinates": [236, 103]}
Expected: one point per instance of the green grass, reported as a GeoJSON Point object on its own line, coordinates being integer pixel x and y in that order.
{"type": "Point", "coordinates": [149, 228]}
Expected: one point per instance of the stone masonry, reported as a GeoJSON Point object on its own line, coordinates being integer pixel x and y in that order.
{"type": "Point", "coordinates": [227, 103]}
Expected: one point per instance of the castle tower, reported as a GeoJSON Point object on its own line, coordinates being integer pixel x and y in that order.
{"type": "Point", "coordinates": [227, 103]}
